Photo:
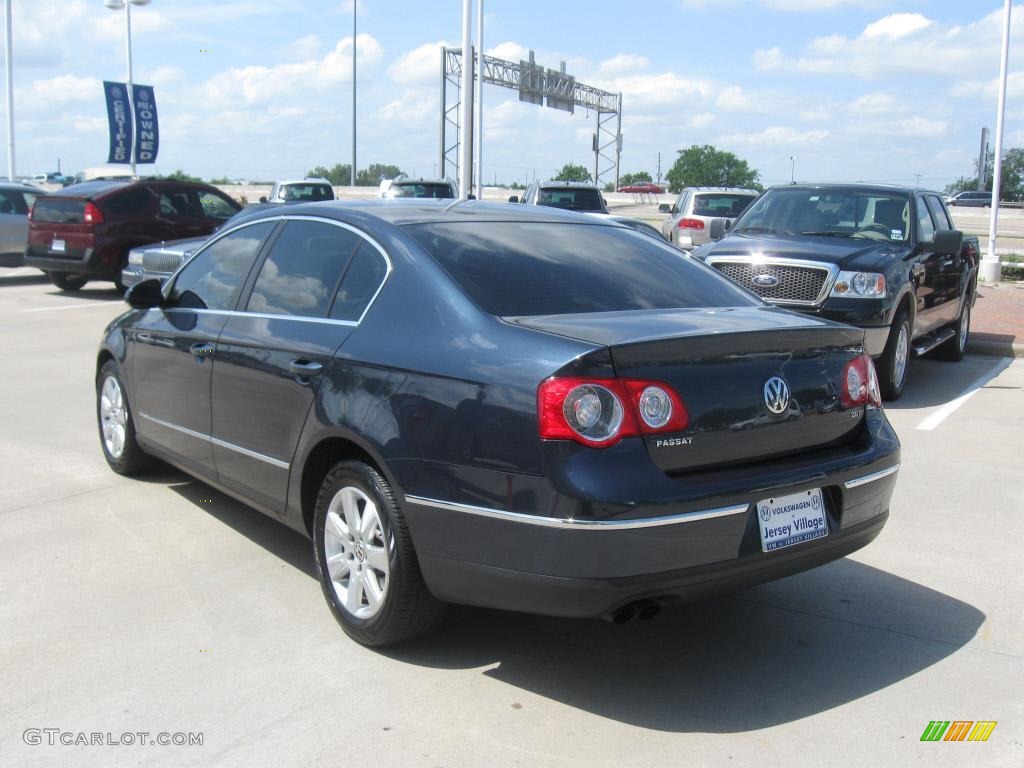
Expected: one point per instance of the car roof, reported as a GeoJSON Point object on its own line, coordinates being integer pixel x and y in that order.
{"type": "Point", "coordinates": [96, 189]}
{"type": "Point", "coordinates": [743, 190]}
{"type": "Point", "coordinates": [576, 184]}
{"type": "Point", "coordinates": [857, 185]}
{"type": "Point", "coordinates": [303, 181]}
{"type": "Point", "coordinates": [407, 180]}
{"type": "Point", "coordinates": [405, 211]}
{"type": "Point", "coordinates": [19, 187]}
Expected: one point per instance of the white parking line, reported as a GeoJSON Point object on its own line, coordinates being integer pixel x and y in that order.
{"type": "Point", "coordinates": [945, 411]}
{"type": "Point", "coordinates": [69, 306]}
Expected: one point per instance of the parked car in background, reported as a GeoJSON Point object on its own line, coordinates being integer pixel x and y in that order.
{"type": "Point", "coordinates": [971, 199]}
{"type": "Point", "coordinates": [85, 231]}
{"type": "Point", "coordinates": [643, 188]}
{"type": "Point", "coordinates": [102, 173]}
{"type": "Point", "coordinates": [158, 261]}
{"type": "Point", "coordinates": [567, 195]}
{"type": "Point", "coordinates": [695, 207]}
{"type": "Point", "coordinates": [300, 191]}
{"type": "Point", "coordinates": [15, 202]}
{"type": "Point", "coordinates": [884, 258]}
{"type": "Point", "coordinates": [499, 406]}
{"type": "Point", "coordinates": [444, 189]}
{"type": "Point", "coordinates": [637, 224]}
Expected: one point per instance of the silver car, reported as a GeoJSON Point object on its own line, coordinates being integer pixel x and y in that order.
{"type": "Point", "coordinates": [15, 203]}
{"type": "Point", "coordinates": [691, 214]}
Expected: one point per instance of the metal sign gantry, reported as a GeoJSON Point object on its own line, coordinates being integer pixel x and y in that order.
{"type": "Point", "coordinates": [536, 85]}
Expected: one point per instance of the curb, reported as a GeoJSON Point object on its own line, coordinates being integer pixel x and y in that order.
{"type": "Point", "coordinates": [993, 347]}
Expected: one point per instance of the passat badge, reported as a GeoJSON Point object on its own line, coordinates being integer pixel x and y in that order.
{"type": "Point", "coordinates": [776, 395]}
{"type": "Point", "coordinates": [765, 280]}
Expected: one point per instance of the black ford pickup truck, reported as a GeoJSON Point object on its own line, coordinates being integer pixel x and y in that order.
{"type": "Point", "coordinates": [884, 258]}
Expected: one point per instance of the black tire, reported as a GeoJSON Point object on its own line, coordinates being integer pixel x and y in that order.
{"type": "Point", "coordinates": [406, 609]}
{"type": "Point", "coordinates": [892, 375]}
{"type": "Point", "coordinates": [954, 349]}
{"type": "Point", "coordinates": [66, 281]}
{"type": "Point", "coordinates": [131, 459]}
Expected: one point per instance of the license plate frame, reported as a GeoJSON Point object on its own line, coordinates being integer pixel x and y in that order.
{"type": "Point", "coordinates": [791, 519]}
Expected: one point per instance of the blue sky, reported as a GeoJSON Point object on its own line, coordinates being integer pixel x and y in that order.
{"type": "Point", "coordinates": [854, 89]}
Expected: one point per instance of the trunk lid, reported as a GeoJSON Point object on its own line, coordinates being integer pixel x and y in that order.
{"type": "Point", "coordinates": [719, 362]}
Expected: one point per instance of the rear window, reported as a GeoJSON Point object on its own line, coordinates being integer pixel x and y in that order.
{"type": "Point", "coordinates": [720, 205]}
{"type": "Point", "coordinates": [585, 199]}
{"type": "Point", "coordinates": [49, 210]}
{"type": "Point", "coordinates": [307, 193]}
{"type": "Point", "coordinates": [514, 269]}
{"type": "Point", "coordinates": [422, 190]}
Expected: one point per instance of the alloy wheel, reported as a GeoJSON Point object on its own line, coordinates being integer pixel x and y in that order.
{"type": "Point", "coordinates": [356, 552]}
{"type": "Point", "coordinates": [113, 417]}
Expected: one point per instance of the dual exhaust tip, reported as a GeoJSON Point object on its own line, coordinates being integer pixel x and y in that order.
{"type": "Point", "coordinates": [638, 609]}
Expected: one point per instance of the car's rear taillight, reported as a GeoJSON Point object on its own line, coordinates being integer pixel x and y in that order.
{"type": "Point", "coordinates": [600, 412]}
{"type": "Point", "coordinates": [860, 383]}
{"type": "Point", "coordinates": [690, 224]}
{"type": "Point", "coordinates": [92, 214]}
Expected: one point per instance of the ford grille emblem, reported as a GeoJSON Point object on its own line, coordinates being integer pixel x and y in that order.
{"type": "Point", "coordinates": [765, 281]}
{"type": "Point", "coordinates": [776, 395]}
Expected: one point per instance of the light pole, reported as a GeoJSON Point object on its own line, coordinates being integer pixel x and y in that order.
{"type": "Point", "coordinates": [117, 5]}
{"type": "Point", "coordinates": [478, 107]}
{"type": "Point", "coordinates": [990, 268]}
{"type": "Point", "coordinates": [792, 169]}
{"type": "Point", "coordinates": [9, 60]}
{"type": "Point", "coordinates": [353, 178]}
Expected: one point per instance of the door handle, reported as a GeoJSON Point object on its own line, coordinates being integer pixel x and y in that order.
{"type": "Point", "coordinates": [201, 350]}
{"type": "Point", "coordinates": [305, 369]}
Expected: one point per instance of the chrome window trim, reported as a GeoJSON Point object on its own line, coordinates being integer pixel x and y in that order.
{"type": "Point", "coordinates": [864, 480]}
{"type": "Point", "coordinates": [215, 441]}
{"type": "Point", "coordinates": [580, 525]}
{"type": "Point", "coordinates": [826, 288]}
{"type": "Point", "coordinates": [266, 316]}
{"type": "Point", "coordinates": [169, 283]}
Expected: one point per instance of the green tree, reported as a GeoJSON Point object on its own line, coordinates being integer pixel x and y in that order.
{"type": "Point", "coordinates": [632, 178]}
{"type": "Point", "coordinates": [340, 175]}
{"type": "Point", "coordinates": [1012, 187]}
{"type": "Point", "coordinates": [705, 166]}
{"type": "Point", "coordinates": [180, 175]}
{"type": "Point", "coordinates": [571, 172]}
{"type": "Point", "coordinates": [372, 174]}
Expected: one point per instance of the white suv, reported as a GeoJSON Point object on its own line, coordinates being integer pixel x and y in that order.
{"type": "Point", "coordinates": [692, 212]}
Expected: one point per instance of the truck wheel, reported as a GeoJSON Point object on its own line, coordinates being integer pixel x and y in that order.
{"type": "Point", "coordinates": [953, 350]}
{"type": "Point", "coordinates": [895, 360]}
{"type": "Point", "coordinates": [365, 559]}
{"type": "Point", "coordinates": [66, 281]}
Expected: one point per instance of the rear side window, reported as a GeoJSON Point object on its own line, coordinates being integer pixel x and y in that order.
{"type": "Point", "coordinates": [214, 277]}
{"type": "Point", "coordinates": [302, 270]}
{"type": "Point", "coordinates": [181, 202]}
{"type": "Point", "coordinates": [360, 284]}
{"type": "Point", "coordinates": [518, 269]}
{"type": "Point", "coordinates": [129, 203]}
{"type": "Point", "coordinates": [719, 205]}
{"type": "Point", "coordinates": [55, 211]}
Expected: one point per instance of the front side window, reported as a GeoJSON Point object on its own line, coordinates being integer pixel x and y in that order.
{"type": "Point", "coordinates": [213, 279]}
{"type": "Point", "coordinates": [938, 213]}
{"type": "Point", "coordinates": [521, 269]}
{"type": "Point", "coordinates": [925, 227]}
{"type": "Point", "coordinates": [217, 206]}
{"type": "Point", "coordinates": [302, 270]}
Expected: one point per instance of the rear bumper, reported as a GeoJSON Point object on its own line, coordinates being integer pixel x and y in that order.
{"type": "Point", "coordinates": [83, 261]}
{"type": "Point", "coordinates": [703, 541]}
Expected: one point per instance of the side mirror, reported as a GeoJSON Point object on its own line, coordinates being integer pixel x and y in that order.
{"type": "Point", "coordinates": [665, 208]}
{"type": "Point", "coordinates": [948, 242]}
{"type": "Point", "coordinates": [718, 228]}
{"type": "Point", "coordinates": [514, 199]}
{"type": "Point", "coordinates": [145, 295]}
{"type": "Point", "coordinates": [263, 199]}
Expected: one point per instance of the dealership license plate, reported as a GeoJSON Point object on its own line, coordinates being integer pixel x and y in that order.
{"type": "Point", "coordinates": [58, 246]}
{"type": "Point", "coordinates": [788, 520]}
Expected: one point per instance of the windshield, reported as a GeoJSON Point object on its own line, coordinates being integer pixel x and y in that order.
{"type": "Point", "coordinates": [422, 190]}
{"type": "Point", "coordinates": [856, 213]}
{"type": "Point", "coordinates": [583, 199]}
{"type": "Point", "coordinates": [307, 192]}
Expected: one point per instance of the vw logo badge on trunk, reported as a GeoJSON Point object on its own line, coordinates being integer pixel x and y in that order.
{"type": "Point", "coordinates": [776, 395]}
{"type": "Point", "coordinates": [765, 280]}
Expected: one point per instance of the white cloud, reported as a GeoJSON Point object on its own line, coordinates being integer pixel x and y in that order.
{"type": "Point", "coordinates": [877, 104]}
{"type": "Point", "coordinates": [702, 120]}
{"type": "Point", "coordinates": [781, 5]}
{"type": "Point", "coordinates": [256, 84]}
{"type": "Point", "coordinates": [774, 136]}
{"type": "Point", "coordinates": [418, 65]}
{"type": "Point", "coordinates": [509, 51]}
{"type": "Point", "coordinates": [733, 98]}
{"type": "Point", "coordinates": [896, 26]}
{"type": "Point", "coordinates": [622, 63]}
{"type": "Point", "coordinates": [666, 89]}
{"type": "Point", "coordinates": [911, 127]}
{"type": "Point", "coordinates": [303, 49]}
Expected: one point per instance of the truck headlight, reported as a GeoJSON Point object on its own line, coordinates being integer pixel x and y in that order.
{"type": "Point", "coordinates": [859, 285]}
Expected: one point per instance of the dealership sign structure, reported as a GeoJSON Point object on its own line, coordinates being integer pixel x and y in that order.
{"type": "Point", "coordinates": [133, 123]}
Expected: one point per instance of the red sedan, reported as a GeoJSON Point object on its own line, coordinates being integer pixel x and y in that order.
{"type": "Point", "coordinates": [643, 187]}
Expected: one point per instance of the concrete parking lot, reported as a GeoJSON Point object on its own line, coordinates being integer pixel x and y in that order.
{"type": "Point", "coordinates": [160, 605]}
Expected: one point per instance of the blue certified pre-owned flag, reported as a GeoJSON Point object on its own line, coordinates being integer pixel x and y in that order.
{"type": "Point", "coordinates": [120, 121]}
{"type": "Point", "coordinates": [147, 132]}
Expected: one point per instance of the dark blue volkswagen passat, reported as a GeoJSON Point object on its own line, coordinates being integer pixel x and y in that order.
{"type": "Point", "coordinates": [513, 407]}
